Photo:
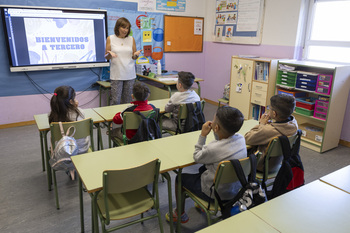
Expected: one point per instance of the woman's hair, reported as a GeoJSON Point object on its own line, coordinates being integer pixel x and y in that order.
{"type": "Point", "coordinates": [121, 22]}
{"type": "Point", "coordinates": [61, 105]}
{"type": "Point", "coordinates": [186, 79]}
{"type": "Point", "coordinates": [140, 91]}
{"type": "Point", "coordinates": [230, 119]}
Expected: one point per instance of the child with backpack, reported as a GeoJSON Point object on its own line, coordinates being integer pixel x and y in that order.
{"type": "Point", "coordinates": [140, 94]}
{"type": "Point", "coordinates": [275, 122]}
{"type": "Point", "coordinates": [183, 96]}
{"type": "Point", "coordinates": [227, 146]}
{"type": "Point", "coordinates": [64, 108]}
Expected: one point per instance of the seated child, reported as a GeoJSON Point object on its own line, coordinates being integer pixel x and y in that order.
{"type": "Point", "coordinates": [275, 122]}
{"type": "Point", "coordinates": [140, 94]}
{"type": "Point", "coordinates": [64, 108]}
{"type": "Point", "coordinates": [183, 96]}
{"type": "Point", "coordinates": [227, 146]}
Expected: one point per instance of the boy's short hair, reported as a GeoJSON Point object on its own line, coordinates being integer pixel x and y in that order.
{"type": "Point", "coordinates": [230, 119]}
{"type": "Point", "coordinates": [186, 79]}
{"type": "Point", "coordinates": [284, 105]}
{"type": "Point", "coordinates": [140, 91]}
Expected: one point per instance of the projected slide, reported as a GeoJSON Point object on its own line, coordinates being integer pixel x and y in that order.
{"type": "Point", "coordinates": [51, 40]}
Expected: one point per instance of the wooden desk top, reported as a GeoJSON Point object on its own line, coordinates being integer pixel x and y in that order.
{"type": "Point", "coordinates": [168, 82]}
{"type": "Point", "coordinates": [339, 179]}
{"type": "Point", "coordinates": [246, 222]}
{"type": "Point", "coordinates": [315, 207]}
{"type": "Point", "coordinates": [104, 84]}
{"type": "Point", "coordinates": [90, 166]}
{"type": "Point", "coordinates": [42, 120]}
{"type": "Point", "coordinates": [108, 112]}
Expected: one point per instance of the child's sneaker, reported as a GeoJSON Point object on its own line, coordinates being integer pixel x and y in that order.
{"type": "Point", "coordinates": [184, 217]}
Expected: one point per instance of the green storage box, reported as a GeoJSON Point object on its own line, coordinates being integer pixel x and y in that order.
{"type": "Point", "coordinates": [304, 111]}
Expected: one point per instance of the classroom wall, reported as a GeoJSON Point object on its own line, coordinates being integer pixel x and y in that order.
{"type": "Point", "coordinates": [280, 39]}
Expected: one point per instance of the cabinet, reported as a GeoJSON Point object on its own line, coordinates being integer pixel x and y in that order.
{"type": "Point", "coordinates": [326, 87]}
{"type": "Point", "coordinates": [252, 84]}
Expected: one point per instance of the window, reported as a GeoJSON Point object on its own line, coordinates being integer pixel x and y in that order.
{"type": "Point", "coordinates": [328, 34]}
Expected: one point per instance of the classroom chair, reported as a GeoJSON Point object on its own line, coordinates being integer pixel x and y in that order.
{"type": "Point", "coordinates": [125, 195]}
{"type": "Point", "coordinates": [132, 121]}
{"type": "Point", "coordinates": [225, 173]}
{"type": "Point", "coordinates": [273, 160]}
{"type": "Point", "coordinates": [182, 116]}
{"type": "Point", "coordinates": [83, 128]}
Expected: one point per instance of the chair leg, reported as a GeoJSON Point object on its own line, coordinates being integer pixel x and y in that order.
{"type": "Point", "coordinates": [160, 221]}
{"type": "Point", "coordinates": [142, 218]}
{"type": "Point", "coordinates": [55, 186]}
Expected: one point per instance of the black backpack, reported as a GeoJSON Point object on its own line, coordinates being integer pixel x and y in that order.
{"type": "Point", "coordinates": [148, 129]}
{"type": "Point", "coordinates": [195, 117]}
{"type": "Point", "coordinates": [291, 173]}
{"type": "Point", "coordinates": [251, 194]}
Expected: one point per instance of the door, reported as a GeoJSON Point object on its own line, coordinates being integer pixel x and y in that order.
{"type": "Point", "coordinates": [240, 85]}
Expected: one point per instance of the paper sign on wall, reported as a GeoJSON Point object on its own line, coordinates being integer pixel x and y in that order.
{"type": "Point", "coordinates": [198, 27]}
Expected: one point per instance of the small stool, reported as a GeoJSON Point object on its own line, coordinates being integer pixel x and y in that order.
{"type": "Point", "coordinates": [222, 100]}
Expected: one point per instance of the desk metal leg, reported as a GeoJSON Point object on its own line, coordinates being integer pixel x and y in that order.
{"type": "Point", "coordinates": [179, 200]}
{"type": "Point", "coordinates": [81, 201]}
{"type": "Point", "coordinates": [100, 91]}
{"type": "Point", "coordinates": [168, 178]}
{"type": "Point", "coordinates": [99, 137]}
{"type": "Point", "coordinates": [169, 89]}
{"type": "Point", "coordinates": [94, 214]}
{"type": "Point", "coordinates": [48, 167]}
{"type": "Point", "coordinates": [42, 150]}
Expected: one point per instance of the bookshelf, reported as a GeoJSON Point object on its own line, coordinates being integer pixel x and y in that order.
{"type": "Point", "coordinates": [319, 133]}
{"type": "Point", "coordinates": [252, 84]}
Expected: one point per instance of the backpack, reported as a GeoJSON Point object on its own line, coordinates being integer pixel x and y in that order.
{"type": "Point", "coordinates": [251, 194]}
{"type": "Point", "coordinates": [291, 173]}
{"type": "Point", "coordinates": [64, 149]}
{"type": "Point", "coordinates": [195, 117]}
{"type": "Point", "coordinates": [148, 129]}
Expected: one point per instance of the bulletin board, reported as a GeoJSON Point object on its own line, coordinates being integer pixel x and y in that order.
{"type": "Point", "coordinates": [183, 33]}
{"type": "Point", "coordinates": [239, 21]}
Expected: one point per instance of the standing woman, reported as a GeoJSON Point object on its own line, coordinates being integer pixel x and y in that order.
{"type": "Point", "coordinates": [121, 51]}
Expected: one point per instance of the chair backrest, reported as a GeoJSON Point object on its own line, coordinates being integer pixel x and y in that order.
{"type": "Point", "coordinates": [132, 121]}
{"type": "Point", "coordinates": [274, 154]}
{"type": "Point", "coordinates": [183, 114]}
{"type": "Point", "coordinates": [83, 128]}
{"type": "Point", "coordinates": [227, 174]}
{"type": "Point", "coordinates": [183, 110]}
{"type": "Point", "coordinates": [125, 180]}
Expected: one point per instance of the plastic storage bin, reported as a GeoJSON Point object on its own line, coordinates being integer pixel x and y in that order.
{"type": "Point", "coordinates": [324, 84]}
{"type": "Point", "coordinates": [286, 78]}
{"type": "Point", "coordinates": [321, 103]}
{"type": "Point", "coordinates": [306, 102]}
{"type": "Point", "coordinates": [293, 93]}
{"type": "Point", "coordinates": [304, 111]}
{"type": "Point", "coordinates": [306, 80]}
{"type": "Point", "coordinates": [320, 115]}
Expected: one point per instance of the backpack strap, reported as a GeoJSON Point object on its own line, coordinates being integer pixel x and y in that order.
{"type": "Point", "coordinates": [68, 130]}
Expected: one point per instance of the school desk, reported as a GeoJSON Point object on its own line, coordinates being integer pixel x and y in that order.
{"type": "Point", "coordinates": [315, 207]}
{"type": "Point", "coordinates": [42, 122]}
{"type": "Point", "coordinates": [108, 112]}
{"type": "Point", "coordinates": [90, 167]}
{"type": "Point", "coordinates": [163, 87]}
{"type": "Point", "coordinates": [104, 87]}
{"type": "Point", "coordinates": [181, 147]}
{"type": "Point", "coordinates": [339, 179]}
{"type": "Point", "coordinates": [245, 222]}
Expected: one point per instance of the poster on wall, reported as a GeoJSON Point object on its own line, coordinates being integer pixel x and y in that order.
{"type": "Point", "coordinates": [171, 5]}
{"type": "Point", "coordinates": [147, 28]}
{"type": "Point", "coordinates": [146, 5]}
{"type": "Point", "coordinates": [238, 21]}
